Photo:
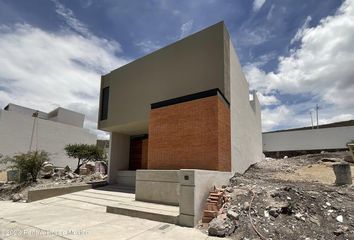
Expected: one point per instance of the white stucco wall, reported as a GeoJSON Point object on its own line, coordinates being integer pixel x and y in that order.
{"type": "Point", "coordinates": [66, 116]}
{"type": "Point", "coordinates": [314, 139]}
{"type": "Point", "coordinates": [16, 131]}
{"type": "Point", "coordinates": [246, 128]}
{"type": "Point", "coordinates": [119, 147]}
{"type": "Point", "coordinates": [193, 64]}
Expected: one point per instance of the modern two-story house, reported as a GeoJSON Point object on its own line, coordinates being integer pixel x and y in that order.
{"type": "Point", "coordinates": [181, 119]}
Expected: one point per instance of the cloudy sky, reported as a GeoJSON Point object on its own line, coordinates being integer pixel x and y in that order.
{"type": "Point", "coordinates": [295, 53]}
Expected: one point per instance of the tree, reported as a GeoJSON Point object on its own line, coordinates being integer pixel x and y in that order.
{"type": "Point", "coordinates": [84, 153]}
{"type": "Point", "coordinates": [29, 163]}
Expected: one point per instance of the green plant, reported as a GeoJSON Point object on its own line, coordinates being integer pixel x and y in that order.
{"type": "Point", "coordinates": [84, 153]}
{"type": "Point", "coordinates": [28, 164]}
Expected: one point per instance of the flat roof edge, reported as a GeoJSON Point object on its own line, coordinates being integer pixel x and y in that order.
{"type": "Point", "coordinates": [190, 97]}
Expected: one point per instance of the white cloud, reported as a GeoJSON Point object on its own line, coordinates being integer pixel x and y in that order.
{"type": "Point", "coordinates": [148, 46]}
{"type": "Point", "coordinates": [70, 19]}
{"type": "Point", "coordinates": [270, 13]}
{"type": "Point", "coordinates": [337, 118]}
{"type": "Point", "coordinates": [321, 67]}
{"type": "Point", "coordinates": [257, 4]}
{"type": "Point", "coordinates": [301, 31]}
{"type": "Point", "coordinates": [266, 100]}
{"type": "Point", "coordinates": [274, 117]}
{"type": "Point", "coordinates": [255, 36]}
{"type": "Point", "coordinates": [186, 28]}
{"type": "Point", "coordinates": [44, 70]}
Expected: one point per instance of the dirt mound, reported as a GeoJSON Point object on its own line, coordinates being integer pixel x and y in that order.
{"type": "Point", "coordinates": [292, 198]}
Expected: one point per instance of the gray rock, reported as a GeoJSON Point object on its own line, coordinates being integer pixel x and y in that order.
{"type": "Point", "coordinates": [274, 212]}
{"type": "Point", "coordinates": [315, 220]}
{"type": "Point", "coordinates": [17, 197]}
{"type": "Point", "coordinates": [55, 175]}
{"type": "Point", "coordinates": [70, 175]}
{"type": "Point", "coordinates": [229, 189]}
{"type": "Point", "coordinates": [47, 170]}
{"type": "Point", "coordinates": [232, 215]}
{"type": "Point", "coordinates": [221, 227]}
{"type": "Point", "coordinates": [340, 230]}
{"type": "Point", "coordinates": [349, 158]}
{"type": "Point", "coordinates": [47, 167]}
{"type": "Point", "coordinates": [246, 206]}
{"type": "Point", "coordinates": [299, 217]}
{"type": "Point", "coordinates": [67, 169]}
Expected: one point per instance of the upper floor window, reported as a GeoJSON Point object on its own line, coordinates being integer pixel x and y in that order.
{"type": "Point", "coordinates": [104, 103]}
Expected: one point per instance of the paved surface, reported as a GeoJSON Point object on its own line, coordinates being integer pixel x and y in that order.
{"type": "Point", "coordinates": [82, 215]}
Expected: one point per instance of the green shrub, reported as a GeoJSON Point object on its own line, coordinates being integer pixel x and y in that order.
{"type": "Point", "coordinates": [84, 153]}
{"type": "Point", "coordinates": [28, 164]}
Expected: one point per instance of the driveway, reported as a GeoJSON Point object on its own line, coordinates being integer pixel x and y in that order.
{"type": "Point", "coordinates": [64, 217]}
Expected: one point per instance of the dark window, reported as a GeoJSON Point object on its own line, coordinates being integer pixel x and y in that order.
{"type": "Point", "coordinates": [104, 103]}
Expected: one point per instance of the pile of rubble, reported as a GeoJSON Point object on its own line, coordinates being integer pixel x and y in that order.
{"type": "Point", "coordinates": [271, 208]}
{"type": "Point", "coordinates": [50, 177]}
{"type": "Point", "coordinates": [66, 175]}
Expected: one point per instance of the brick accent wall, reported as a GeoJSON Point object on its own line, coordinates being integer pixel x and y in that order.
{"type": "Point", "coordinates": [194, 135]}
{"type": "Point", "coordinates": [224, 137]}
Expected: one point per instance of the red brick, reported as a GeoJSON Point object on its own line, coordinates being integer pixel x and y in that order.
{"type": "Point", "coordinates": [192, 135]}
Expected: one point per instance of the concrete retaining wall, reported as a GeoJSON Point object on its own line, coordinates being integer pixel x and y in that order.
{"type": "Point", "coordinates": [39, 194]}
{"type": "Point", "coordinates": [194, 190]}
{"type": "Point", "coordinates": [126, 178]}
{"type": "Point", "coordinates": [158, 186]}
{"type": "Point", "coordinates": [188, 188]}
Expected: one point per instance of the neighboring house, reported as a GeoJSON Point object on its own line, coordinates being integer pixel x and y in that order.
{"type": "Point", "coordinates": [291, 142]}
{"type": "Point", "coordinates": [49, 131]}
{"type": "Point", "coordinates": [184, 110]}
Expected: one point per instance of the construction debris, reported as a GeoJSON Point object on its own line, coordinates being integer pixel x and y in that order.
{"type": "Point", "coordinates": [50, 177]}
{"type": "Point", "coordinates": [261, 205]}
{"type": "Point", "coordinates": [214, 202]}
{"type": "Point", "coordinates": [343, 173]}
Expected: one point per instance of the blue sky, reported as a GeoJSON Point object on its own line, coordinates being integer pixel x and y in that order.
{"type": "Point", "coordinates": [295, 53]}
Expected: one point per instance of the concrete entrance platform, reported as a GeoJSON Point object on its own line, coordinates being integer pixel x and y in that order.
{"type": "Point", "coordinates": [151, 211]}
{"type": "Point", "coordinates": [82, 215]}
{"type": "Point", "coordinates": [121, 200]}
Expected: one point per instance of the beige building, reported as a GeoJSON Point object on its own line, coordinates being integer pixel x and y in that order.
{"type": "Point", "coordinates": [185, 106]}
{"type": "Point", "coordinates": [20, 132]}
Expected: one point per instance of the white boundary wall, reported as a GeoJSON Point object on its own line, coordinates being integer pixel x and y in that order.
{"type": "Point", "coordinates": [313, 139]}
{"type": "Point", "coordinates": [16, 131]}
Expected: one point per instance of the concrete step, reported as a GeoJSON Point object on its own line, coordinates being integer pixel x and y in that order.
{"type": "Point", "coordinates": [150, 211]}
{"type": "Point", "coordinates": [118, 188]}
{"type": "Point", "coordinates": [126, 178]}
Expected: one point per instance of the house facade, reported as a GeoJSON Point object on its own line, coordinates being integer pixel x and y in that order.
{"type": "Point", "coordinates": [184, 106]}
{"type": "Point", "coordinates": [182, 112]}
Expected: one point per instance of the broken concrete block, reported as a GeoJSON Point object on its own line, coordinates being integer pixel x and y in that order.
{"type": "Point", "coordinates": [17, 197]}
{"type": "Point", "coordinates": [70, 175]}
{"type": "Point", "coordinates": [232, 215]}
{"type": "Point", "coordinates": [343, 173]}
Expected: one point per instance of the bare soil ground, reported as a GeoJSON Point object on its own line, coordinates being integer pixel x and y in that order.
{"type": "Point", "coordinates": [293, 198]}
{"type": "Point", "coordinates": [8, 190]}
